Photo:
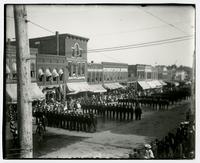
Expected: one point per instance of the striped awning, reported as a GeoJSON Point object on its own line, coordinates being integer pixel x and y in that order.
{"type": "Point", "coordinates": [40, 72]}
{"type": "Point", "coordinates": [78, 87]}
{"type": "Point", "coordinates": [35, 92]}
{"type": "Point", "coordinates": [112, 86]}
{"type": "Point", "coordinates": [54, 73]}
{"type": "Point", "coordinates": [60, 71]}
{"type": "Point", "coordinates": [144, 85]}
{"type": "Point", "coordinates": [48, 73]}
{"type": "Point", "coordinates": [97, 88]}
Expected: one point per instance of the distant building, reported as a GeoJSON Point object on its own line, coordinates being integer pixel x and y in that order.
{"type": "Point", "coordinates": [94, 73]}
{"type": "Point", "coordinates": [142, 72]}
{"type": "Point", "coordinates": [136, 72]}
{"type": "Point", "coordinates": [162, 72]}
{"type": "Point", "coordinates": [181, 75]}
{"type": "Point", "coordinates": [115, 72]}
{"type": "Point", "coordinates": [148, 72]}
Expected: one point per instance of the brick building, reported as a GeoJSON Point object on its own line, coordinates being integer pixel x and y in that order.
{"type": "Point", "coordinates": [114, 74]}
{"type": "Point", "coordinates": [94, 73]}
{"type": "Point", "coordinates": [11, 74]}
{"type": "Point", "coordinates": [137, 72]}
{"type": "Point", "coordinates": [63, 61]}
{"type": "Point", "coordinates": [95, 77]}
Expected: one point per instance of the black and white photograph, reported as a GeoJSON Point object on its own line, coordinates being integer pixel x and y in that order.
{"type": "Point", "coordinates": [99, 81]}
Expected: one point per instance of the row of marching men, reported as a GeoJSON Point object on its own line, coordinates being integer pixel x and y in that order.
{"type": "Point", "coordinates": [160, 100]}
{"type": "Point", "coordinates": [73, 121]}
{"type": "Point", "coordinates": [112, 111]}
{"type": "Point", "coordinates": [155, 103]}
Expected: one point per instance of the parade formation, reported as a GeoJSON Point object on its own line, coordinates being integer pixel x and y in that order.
{"type": "Point", "coordinates": [97, 101]}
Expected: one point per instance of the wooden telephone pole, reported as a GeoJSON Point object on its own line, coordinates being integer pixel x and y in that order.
{"type": "Point", "coordinates": [24, 105]}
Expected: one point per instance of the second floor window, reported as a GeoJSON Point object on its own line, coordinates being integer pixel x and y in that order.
{"type": "Point", "coordinates": [32, 70]}
{"type": "Point", "coordinates": [73, 52]}
{"type": "Point", "coordinates": [83, 68]}
{"type": "Point", "coordinates": [79, 69]}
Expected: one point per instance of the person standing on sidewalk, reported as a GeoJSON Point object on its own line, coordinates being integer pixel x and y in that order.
{"type": "Point", "coordinates": [148, 152]}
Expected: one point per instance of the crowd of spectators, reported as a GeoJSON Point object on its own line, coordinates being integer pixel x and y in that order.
{"type": "Point", "coordinates": [179, 144]}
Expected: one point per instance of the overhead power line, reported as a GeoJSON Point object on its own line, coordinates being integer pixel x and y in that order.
{"type": "Point", "coordinates": [44, 28]}
{"type": "Point", "coordinates": [162, 20]}
{"type": "Point", "coordinates": [175, 39]}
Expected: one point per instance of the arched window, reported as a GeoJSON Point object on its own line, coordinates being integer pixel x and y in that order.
{"type": "Point", "coordinates": [83, 68]}
{"type": "Point", "coordinates": [61, 74]}
{"type": "Point", "coordinates": [14, 70]}
{"type": "Point", "coordinates": [48, 74]}
{"type": "Point", "coordinates": [77, 49]}
{"type": "Point", "coordinates": [55, 75]}
{"type": "Point", "coordinates": [79, 69]}
{"type": "Point", "coordinates": [40, 74]}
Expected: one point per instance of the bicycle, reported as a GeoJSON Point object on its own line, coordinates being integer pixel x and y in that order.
{"type": "Point", "coordinates": [40, 131]}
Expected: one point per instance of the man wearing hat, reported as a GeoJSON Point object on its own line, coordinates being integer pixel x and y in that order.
{"type": "Point", "coordinates": [148, 152]}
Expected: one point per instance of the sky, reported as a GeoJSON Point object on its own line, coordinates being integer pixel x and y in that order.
{"type": "Point", "coordinates": [119, 25]}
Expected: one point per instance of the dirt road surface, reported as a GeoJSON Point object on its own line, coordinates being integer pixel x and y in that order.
{"type": "Point", "coordinates": [113, 139]}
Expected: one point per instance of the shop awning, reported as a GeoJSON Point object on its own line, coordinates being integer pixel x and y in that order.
{"type": "Point", "coordinates": [40, 72]}
{"type": "Point", "coordinates": [144, 85]}
{"type": "Point", "coordinates": [60, 71]}
{"type": "Point", "coordinates": [48, 73]}
{"type": "Point", "coordinates": [78, 87]}
{"type": "Point", "coordinates": [97, 88]}
{"type": "Point", "coordinates": [112, 86]}
{"type": "Point", "coordinates": [35, 92]}
{"type": "Point", "coordinates": [152, 84]}
{"type": "Point", "coordinates": [162, 82]}
{"type": "Point", "coordinates": [157, 83]}
{"type": "Point", "coordinates": [54, 73]}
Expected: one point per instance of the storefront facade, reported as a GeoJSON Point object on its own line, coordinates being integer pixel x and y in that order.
{"type": "Point", "coordinates": [62, 59]}
{"type": "Point", "coordinates": [11, 75]}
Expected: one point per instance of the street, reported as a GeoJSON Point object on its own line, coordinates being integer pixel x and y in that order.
{"type": "Point", "coordinates": [113, 139]}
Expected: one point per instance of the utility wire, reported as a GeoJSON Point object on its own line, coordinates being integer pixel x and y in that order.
{"type": "Point", "coordinates": [145, 43]}
{"type": "Point", "coordinates": [140, 46]}
{"type": "Point", "coordinates": [44, 28]}
{"type": "Point", "coordinates": [163, 21]}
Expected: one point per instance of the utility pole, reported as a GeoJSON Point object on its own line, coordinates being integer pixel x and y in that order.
{"type": "Point", "coordinates": [24, 105]}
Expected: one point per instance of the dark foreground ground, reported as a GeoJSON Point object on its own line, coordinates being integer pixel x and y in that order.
{"type": "Point", "coordinates": [113, 139]}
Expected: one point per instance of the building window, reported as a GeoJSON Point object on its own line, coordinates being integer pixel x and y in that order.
{"type": "Point", "coordinates": [40, 75]}
{"type": "Point", "coordinates": [83, 68]}
{"type": "Point", "coordinates": [14, 71]}
{"type": "Point", "coordinates": [32, 70]}
{"type": "Point", "coordinates": [79, 69]}
{"type": "Point", "coordinates": [77, 50]}
{"type": "Point", "coordinates": [48, 78]}
{"type": "Point", "coordinates": [70, 69]}
{"type": "Point", "coordinates": [14, 75]}
{"type": "Point", "coordinates": [80, 52]}
{"type": "Point", "coordinates": [74, 69]}
{"type": "Point", "coordinates": [61, 74]}
{"type": "Point", "coordinates": [73, 52]}
{"type": "Point", "coordinates": [61, 77]}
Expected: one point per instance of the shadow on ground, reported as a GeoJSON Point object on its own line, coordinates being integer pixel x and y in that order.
{"type": "Point", "coordinates": [53, 142]}
{"type": "Point", "coordinates": [158, 124]}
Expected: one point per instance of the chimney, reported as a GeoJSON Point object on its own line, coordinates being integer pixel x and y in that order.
{"type": "Point", "coordinates": [57, 43]}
